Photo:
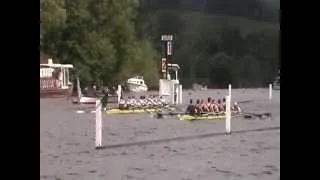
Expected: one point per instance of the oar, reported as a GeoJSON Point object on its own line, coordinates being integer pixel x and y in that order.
{"type": "Point", "coordinates": [160, 114]}
{"type": "Point", "coordinates": [212, 114]}
{"type": "Point", "coordinates": [259, 115]}
{"type": "Point", "coordinates": [246, 101]}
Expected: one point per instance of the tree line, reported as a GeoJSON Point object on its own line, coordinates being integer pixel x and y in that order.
{"type": "Point", "coordinates": [109, 41]}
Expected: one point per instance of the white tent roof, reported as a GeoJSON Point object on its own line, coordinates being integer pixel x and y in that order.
{"type": "Point", "coordinates": [57, 65]}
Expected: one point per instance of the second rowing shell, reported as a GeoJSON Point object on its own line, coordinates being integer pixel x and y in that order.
{"type": "Point", "coordinates": [208, 117]}
{"type": "Point", "coordinates": [132, 111]}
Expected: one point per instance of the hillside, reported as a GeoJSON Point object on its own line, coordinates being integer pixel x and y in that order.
{"type": "Point", "coordinates": [261, 10]}
{"type": "Point", "coordinates": [215, 41]}
{"type": "Point", "coordinates": [199, 37]}
{"type": "Point", "coordinates": [197, 20]}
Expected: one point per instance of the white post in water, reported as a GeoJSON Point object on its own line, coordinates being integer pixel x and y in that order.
{"type": "Point", "coordinates": [173, 92]}
{"type": "Point", "coordinates": [119, 93]}
{"type": "Point", "coordinates": [270, 91]}
{"type": "Point", "coordinates": [229, 90]}
{"type": "Point", "coordinates": [228, 115]}
{"type": "Point", "coordinates": [98, 124]}
{"type": "Point", "coordinates": [180, 93]}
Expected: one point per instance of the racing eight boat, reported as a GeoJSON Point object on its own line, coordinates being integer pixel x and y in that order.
{"type": "Point", "coordinates": [216, 116]}
{"type": "Point", "coordinates": [132, 111]}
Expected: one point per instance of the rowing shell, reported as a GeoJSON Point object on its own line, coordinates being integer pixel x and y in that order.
{"type": "Point", "coordinates": [223, 116]}
{"type": "Point", "coordinates": [132, 111]}
{"type": "Point", "coordinates": [210, 117]}
{"type": "Point", "coordinates": [217, 116]}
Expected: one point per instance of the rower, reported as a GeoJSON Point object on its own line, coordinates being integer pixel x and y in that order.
{"type": "Point", "coordinates": [153, 101]}
{"type": "Point", "coordinates": [198, 109]}
{"type": "Point", "coordinates": [210, 104]}
{"type": "Point", "coordinates": [220, 106]}
{"type": "Point", "coordinates": [129, 103]}
{"type": "Point", "coordinates": [163, 101]}
{"type": "Point", "coordinates": [213, 106]}
{"type": "Point", "coordinates": [149, 102]}
{"type": "Point", "coordinates": [190, 109]}
{"type": "Point", "coordinates": [122, 104]}
{"type": "Point", "coordinates": [217, 110]}
{"type": "Point", "coordinates": [134, 102]}
{"type": "Point", "coordinates": [158, 102]}
{"type": "Point", "coordinates": [202, 104]}
{"type": "Point", "coordinates": [224, 103]}
{"type": "Point", "coordinates": [207, 105]}
{"type": "Point", "coordinates": [141, 102]}
{"type": "Point", "coordinates": [236, 108]}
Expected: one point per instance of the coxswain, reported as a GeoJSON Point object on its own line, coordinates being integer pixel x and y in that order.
{"type": "Point", "coordinates": [236, 108]}
{"type": "Point", "coordinates": [190, 108]}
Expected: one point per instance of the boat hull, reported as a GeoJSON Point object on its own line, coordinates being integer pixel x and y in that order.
{"type": "Point", "coordinates": [137, 88]}
{"type": "Point", "coordinates": [53, 93]}
{"type": "Point", "coordinates": [209, 117]}
{"type": "Point", "coordinates": [132, 111]}
{"type": "Point", "coordinates": [84, 100]}
{"type": "Point", "coordinates": [206, 117]}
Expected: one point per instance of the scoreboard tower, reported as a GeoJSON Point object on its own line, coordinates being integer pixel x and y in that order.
{"type": "Point", "coordinates": [169, 88]}
{"type": "Point", "coordinates": [166, 55]}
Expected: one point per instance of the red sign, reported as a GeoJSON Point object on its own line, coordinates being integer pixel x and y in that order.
{"type": "Point", "coordinates": [163, 65]}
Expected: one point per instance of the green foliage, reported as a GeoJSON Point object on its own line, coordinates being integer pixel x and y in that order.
{"type": "Point", "coordinates": [220, 71]}
{"type": "Point", "coordinates": [109, 41]}
{"type": "Point", "coordinates": [53, 16]}
{"type": "Point", "coordinates": [211, 49]}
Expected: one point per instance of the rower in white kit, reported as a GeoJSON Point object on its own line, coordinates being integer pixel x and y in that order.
{"type": "Point", "coordinates": [150, 102]}
{"type": "Point", "coordinates": [123, 104]}
{"type": "Point", "coordinates": [132, 102]}
{"type": "Point", "coordinates": [163, 102]}
{"type": "Point", "coordinates": [156, 102]}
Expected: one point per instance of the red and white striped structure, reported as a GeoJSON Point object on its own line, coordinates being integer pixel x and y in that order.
{"type": "Point", "coordinates": [54, 79]}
